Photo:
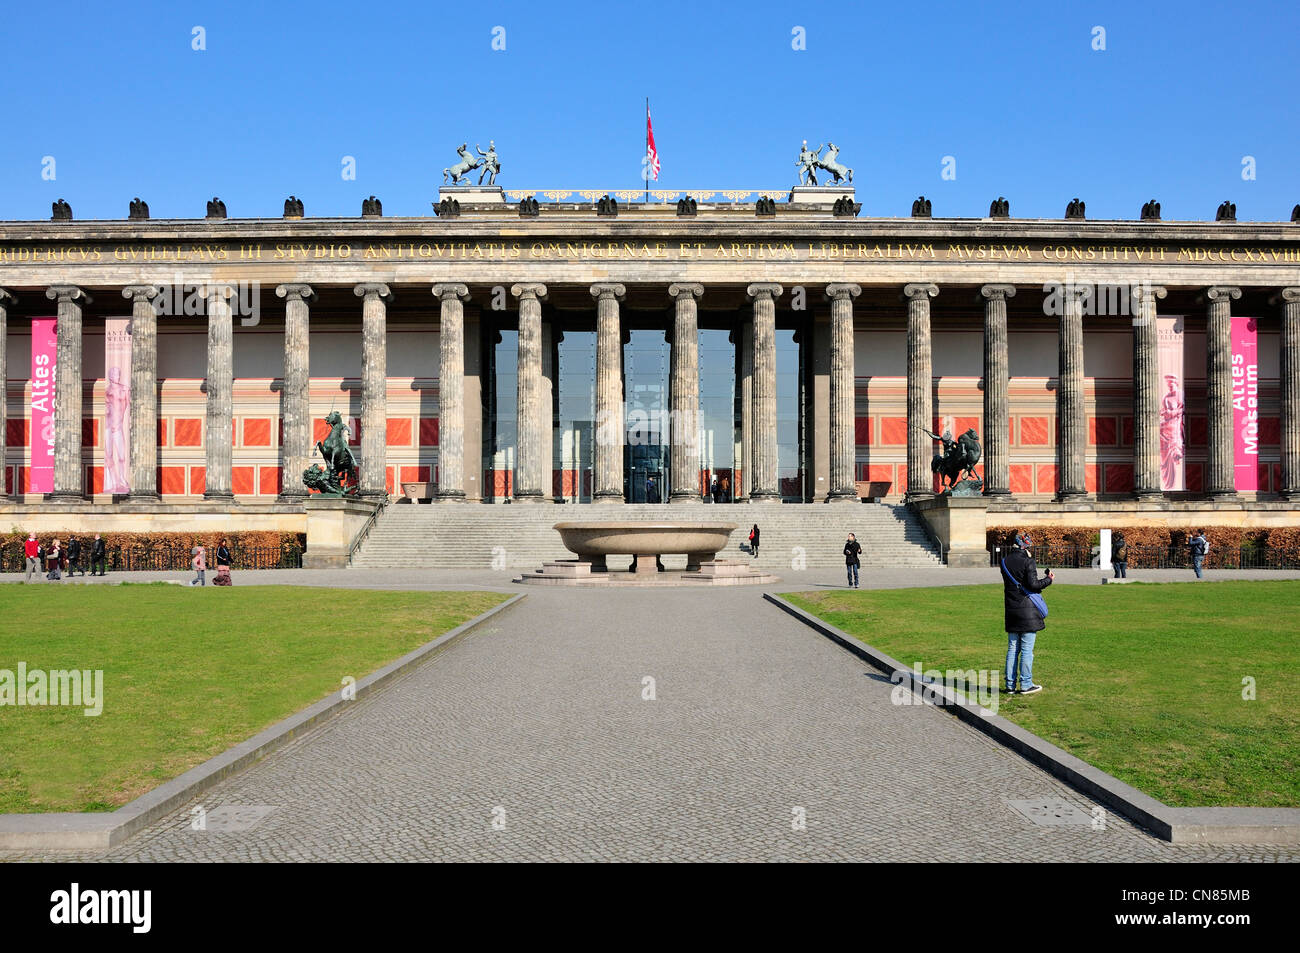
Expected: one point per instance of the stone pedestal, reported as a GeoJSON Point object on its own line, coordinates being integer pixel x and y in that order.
{"type": "Point", "coordinates": [332, 524]}
{"type": "Point", "coordinates": [820, 196]}
{"type": "Point", "coordinates": [473, 194]}
{"type": "Point", "coordinates": [960, 525]}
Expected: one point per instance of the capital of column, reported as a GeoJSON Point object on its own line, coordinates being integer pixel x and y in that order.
{"type": "Point", "coordinates": [1218, 292]}
{"type": "Point", "coordinates": [841, 290]}
{"type": "Point", "coordinates": [998, 292]}
{"type": "Point", "coordinates": [63, 293]}
{"type": "Point", "coordinates": [373, 289]}
{"type": "Point", "coordinates": [450, 291]}
{"type": "Point", "coordinates": [920, 290]}
{"type": "Point", "coordinates": [217, 290]}
{"type": "Point", "coordinates": [764, 289]}
{"type": "Point", "coordinates": [1076, 291]}
{"type": "Point", "coordinates": [141, 292]}
{"type": "Point", "coordinates": [1148, 293]}
{"type": "Point", "coordinates": [604, 290]}
{"type": "Point", "coordinates": [6, 297]}
{"type": "Point", "coordinates": [529, 290]}
{"type": "Point", "coordinates": [302, 292]}
{"type": "Point", "coordinates": [688, 289]}
{"type": "Point", "coordinates": [1285, 295]}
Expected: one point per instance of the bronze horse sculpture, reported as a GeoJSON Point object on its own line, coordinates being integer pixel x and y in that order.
{"type": "Point", "coordinates": [958, 458]}
{"type": "Point", "coordinates": [340, 464]}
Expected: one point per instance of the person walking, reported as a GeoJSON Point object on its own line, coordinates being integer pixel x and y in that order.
{"type": "Point", "coordinates": [223, 563]}
{"type": "Point", "coordinates": [726, 489]}
{"type": "Point", "coordinates": [852, 560]}
{"type": "Point", "coordinates": [1119, 556]}
{"type": "Point", "coordinates": [54, 562]}
{"type": "Point", "coordinates": [1023, 619]}
{"type": "Point", "coordinates": [753, 541]}
{"type": "Point", "coordinates": [74, 557]}
{"type": "Point", "coordinates": [98, 555]}
{"type": "Point", "coordinates": [1200, 547]}
{"type": "Point", "coordinates": [32, 553]}
{"type": "Point", "coordinates": [715, 490]}
{"type": "Point", "coordinates": [199, 566]}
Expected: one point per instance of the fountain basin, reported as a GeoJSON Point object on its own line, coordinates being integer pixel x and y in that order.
{"type": "Point", "coordinates": [594, 541]}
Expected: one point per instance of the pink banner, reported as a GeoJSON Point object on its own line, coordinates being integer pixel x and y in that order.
{"type": "Point", "coordinates": [1245, 402]}
{"type": "Point", "coordinates": [117, 405]}
{"type": "Point", "coordinates": [45, 347]}
{"type": "Point", "coordinates": [1173, 403]}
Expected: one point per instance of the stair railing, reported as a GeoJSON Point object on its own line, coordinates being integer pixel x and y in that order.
{"type": "Point", "coordinates": [366, 528]}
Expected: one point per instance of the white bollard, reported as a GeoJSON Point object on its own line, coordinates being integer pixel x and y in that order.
{"type": "Point", "coordinates": [1104, 563]}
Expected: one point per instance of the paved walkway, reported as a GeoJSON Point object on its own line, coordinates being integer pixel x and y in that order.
{"type": "Point", "coordinates": [538, 721]}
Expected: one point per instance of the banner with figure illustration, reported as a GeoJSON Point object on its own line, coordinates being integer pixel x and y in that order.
{"type": "Point", "coordinates": [117, 405]}
{"type": "Point", "coordinates": [1245, 403]}
{"type": "Point", "coordinates": [1173, 403]}
{"type": "Point", "coordinates": [45, 349]}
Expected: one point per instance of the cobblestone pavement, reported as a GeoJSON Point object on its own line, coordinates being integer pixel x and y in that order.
{"type": "Point", "coordinates": [537, 725]}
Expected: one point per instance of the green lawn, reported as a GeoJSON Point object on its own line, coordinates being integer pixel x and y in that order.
{"type": "Point", "coordinates": [1143, 681]}
{"type": "Point", "coordinates": [187, 674]}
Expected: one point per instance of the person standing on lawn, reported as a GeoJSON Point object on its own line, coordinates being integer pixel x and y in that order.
{"type": "Point", "coordinates": [200, 567]}
{"type": "Point", "coordinates": [1200, 547]}
{"type": "Point", "coordinates": [852, 560]}
{"type": "Point", "coordinates": [54, 562]}
{"type": "Point", "coordinates": [74, 557]}
{"type": "Point", "coordinates": [1119, 556]}
{"type": "Point", "coordinates": [1023, 621]}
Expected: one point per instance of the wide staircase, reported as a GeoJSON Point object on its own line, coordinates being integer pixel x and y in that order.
{"type": "Point", "coordinates": [520, 536]}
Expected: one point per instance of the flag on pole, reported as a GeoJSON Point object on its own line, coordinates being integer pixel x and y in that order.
{"type": "Point", "coordinates": [651, 153]}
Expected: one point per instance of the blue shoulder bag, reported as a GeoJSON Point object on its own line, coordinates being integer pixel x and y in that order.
{"type": "Point", "coordinates": [1039, 603]}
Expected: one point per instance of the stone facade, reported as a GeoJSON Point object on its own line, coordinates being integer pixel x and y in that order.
{"type": "Point", "coordinates": [903, 326]}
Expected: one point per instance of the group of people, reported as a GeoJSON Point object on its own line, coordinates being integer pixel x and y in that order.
{"type": "Point", "coordinates": [720, 490]}
{"type": "Point", "coordinates": [55, 559]}
{"type": "Point", "coordinates": [200, 565]}
{"type": "Point", "coordinates": [1196, 542]}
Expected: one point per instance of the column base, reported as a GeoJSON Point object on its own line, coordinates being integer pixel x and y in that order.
{"type": "Point", "coordinates": [1224, 496]}
{"type": "Point", "coordinates": [686, 498]}
{"type": "Point", "coordinates": [764, 496]}
{"type": "Point", "coordinates": [450, 496]}
{"type": "Point", "coordinates": [219, 496]}
{"type": "Point", "coordinates": [65, 496]}
{"type": "Point", "coordinates": [916, 496]}
{"type": "Point", "coordinates": [143, 497]}
{"type": "Point", "coordinates": [997, 491]}
{"type": "Point", "coordinates": [843, 496]}
{"type": "Point", "coordinates": [292, 497]}
{"type": "Point", "coordinates": [1071, 496]}
{"type": "Point", "coordinates": [609, 496]}
{"type": "Point", "coordinates": [1148, 496]}
{"type": "Point", "coordinates": [531, 496]}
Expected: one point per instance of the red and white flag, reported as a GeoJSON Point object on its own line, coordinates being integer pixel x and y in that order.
{"type": "Point", "coordinates": [651, 153]}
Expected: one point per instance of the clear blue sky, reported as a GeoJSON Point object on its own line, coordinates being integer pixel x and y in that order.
{"type": "Point", "coordinates": [1015, 92]}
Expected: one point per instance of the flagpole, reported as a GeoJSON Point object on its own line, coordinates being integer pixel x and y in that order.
{"type": "Point", "coordinates": [644, 170]}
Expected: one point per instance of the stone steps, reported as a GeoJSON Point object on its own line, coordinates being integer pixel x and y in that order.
{"type": "Point", "coordinates": [521, 536]}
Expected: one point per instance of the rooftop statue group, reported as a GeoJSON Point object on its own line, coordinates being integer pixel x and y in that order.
{"type": "Point", "coordinates": [489, 165]}
{"type": "Point", "coordinates": [810, 160]}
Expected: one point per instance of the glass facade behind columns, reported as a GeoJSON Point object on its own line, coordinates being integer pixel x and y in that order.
{"type": "Point", "coordinates": [789, 400]}
{"type": "Point", "coordinates": [718, 423]}
{"type": "Point", "coordinates": [575, 414]}
{"type": "Point", "coordinates": [645, 389]}
{"type": "Point", "coordinates": [500, 413]}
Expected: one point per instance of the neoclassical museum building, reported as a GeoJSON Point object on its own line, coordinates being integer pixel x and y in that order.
{"type": "Point", "coordinates": [543, 346]}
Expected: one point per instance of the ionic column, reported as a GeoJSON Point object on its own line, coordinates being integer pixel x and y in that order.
{"type": "Point", "coordinates": [451, 392]}
{"type": "Point", "coordinates": [1069, 396]}
{"type": "Point", "coordinates": [295, 398]}
{"type": "Point", "coordinates": [144, 393]}
{"type": "Point", "coordinates": [1220, 478]}
{"type": "Point", "coordinates": [684, 385]}
{"type": "Point", "coordinates": [373, 481]}
{"type": "Point", "coordinates": [6, 299]}
{"type": "Point", "coordinates": [1290, 345]}
{"type": "Point", "coordinates": [609, 395]}
{"type": "Point", "coordinates": [843, 487]}
{"type": "Point", "coordinates": [741, 486]}
{"type": "Point", "coordinates": [530, 465]}
{"type": "Point", "coordinates": [69, 480]}
{"type": "Point", "coordinates": [763, 457]}
{"type": "Point", "coordinates": [920, 404]}
{"type": "Point", "coordinates": [218, 436]}
{"type": "Point", "coordinates": [1146, 394]}
{"type": "Point", "coordinates": [997, 375]}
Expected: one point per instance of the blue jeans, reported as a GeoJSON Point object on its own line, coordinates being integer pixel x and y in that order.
{"type": "Point", "coordinates": [1197, 563]}
{"type": "Point", "coordinates": [853, 575]}
{"type": "Point", "coordinates": [1023, 643]}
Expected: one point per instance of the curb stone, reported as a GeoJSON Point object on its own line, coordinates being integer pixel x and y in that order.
{"type": "Point", "coordinates": [1270, 826]}
{"type": "Point", "coordinates": [84, 831]}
